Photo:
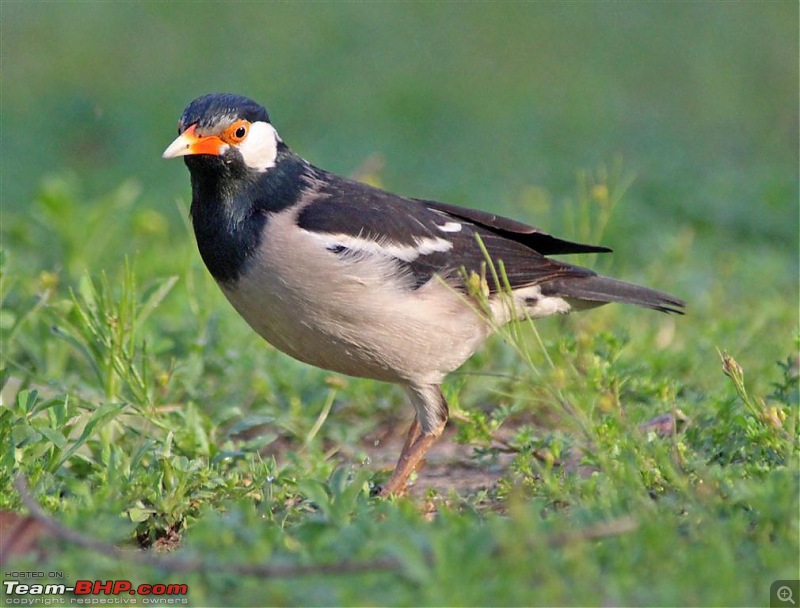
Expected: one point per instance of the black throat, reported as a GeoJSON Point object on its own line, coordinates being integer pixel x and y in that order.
{"type": "Point", "coordinates": [231, 205]}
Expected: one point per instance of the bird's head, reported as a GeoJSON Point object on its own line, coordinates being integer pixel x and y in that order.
{"type": "Point", "coordinates": [221, 130]}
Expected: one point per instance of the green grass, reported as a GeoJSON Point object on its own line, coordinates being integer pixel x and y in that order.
{"type": "Point", "coordinates": [144, 413]}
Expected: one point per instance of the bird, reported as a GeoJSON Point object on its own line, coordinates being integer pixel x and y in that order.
{"type": "Point", "coordinates": [353, 279]}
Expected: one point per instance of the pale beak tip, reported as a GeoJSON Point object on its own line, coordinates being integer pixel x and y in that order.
{"type": "Point", "coordinates": [179, 147]}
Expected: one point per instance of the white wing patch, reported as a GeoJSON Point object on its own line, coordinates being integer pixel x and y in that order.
{"type": "Point", "coordinates": [406, 253]}
{"type": "Point", "coordinates": [450, 227]}
{"type": "Point", "coordinates": [260, 148]}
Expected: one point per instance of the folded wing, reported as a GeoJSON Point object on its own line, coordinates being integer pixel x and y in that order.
{"type": "Point", "coordinates": [429, 238]}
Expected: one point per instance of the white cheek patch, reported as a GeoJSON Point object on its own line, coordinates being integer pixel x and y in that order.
{"type": "Point", "coordinates": [260, 148]}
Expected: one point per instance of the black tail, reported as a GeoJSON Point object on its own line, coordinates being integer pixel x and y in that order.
{"type": "Point", "coordinates": [600, 290]}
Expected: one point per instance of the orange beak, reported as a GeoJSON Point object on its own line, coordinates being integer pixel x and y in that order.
{"type": "Point", "coordinates": [188, 143]}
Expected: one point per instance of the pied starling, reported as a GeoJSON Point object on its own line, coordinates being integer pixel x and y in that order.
{"type": "Point", "coordinates": [356, 280]}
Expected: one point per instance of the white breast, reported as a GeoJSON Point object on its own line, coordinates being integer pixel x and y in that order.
{"type": "Point", "coordinates": [343, 315]}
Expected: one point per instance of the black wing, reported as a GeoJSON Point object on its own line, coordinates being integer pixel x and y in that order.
{"type": "Point", "coordinates": [529, 236]}
{"type": "Point", "coordinates": [429, 238]}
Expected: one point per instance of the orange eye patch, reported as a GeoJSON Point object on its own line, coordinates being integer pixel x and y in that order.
{"type": "Point", "coordinates": [236, 132]}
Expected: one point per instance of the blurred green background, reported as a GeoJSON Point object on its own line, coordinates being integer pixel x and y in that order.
{"type": "Point", "coordinates": [464, 102]}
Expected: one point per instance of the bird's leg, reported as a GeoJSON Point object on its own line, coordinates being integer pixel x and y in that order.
{"type": "Point", "coordinates": [413, 434]}
{"type": "Point", "coordinates": [409, 460]}
{"type": "Point", "coordinates": [432, 409]}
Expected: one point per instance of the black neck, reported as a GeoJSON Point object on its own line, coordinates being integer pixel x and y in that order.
{"type": "Point", "coordinates": [231, 205]}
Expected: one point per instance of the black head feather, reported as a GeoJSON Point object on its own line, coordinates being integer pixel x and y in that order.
{"type": "Point", "coordinates": [212, 109]}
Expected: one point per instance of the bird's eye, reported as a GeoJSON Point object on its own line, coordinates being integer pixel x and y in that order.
{"type": "Point", "coordinates": [236, 132]}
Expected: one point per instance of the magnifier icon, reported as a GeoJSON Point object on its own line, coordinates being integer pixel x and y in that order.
{"type": "Point", "coordinates": [785, 594]}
